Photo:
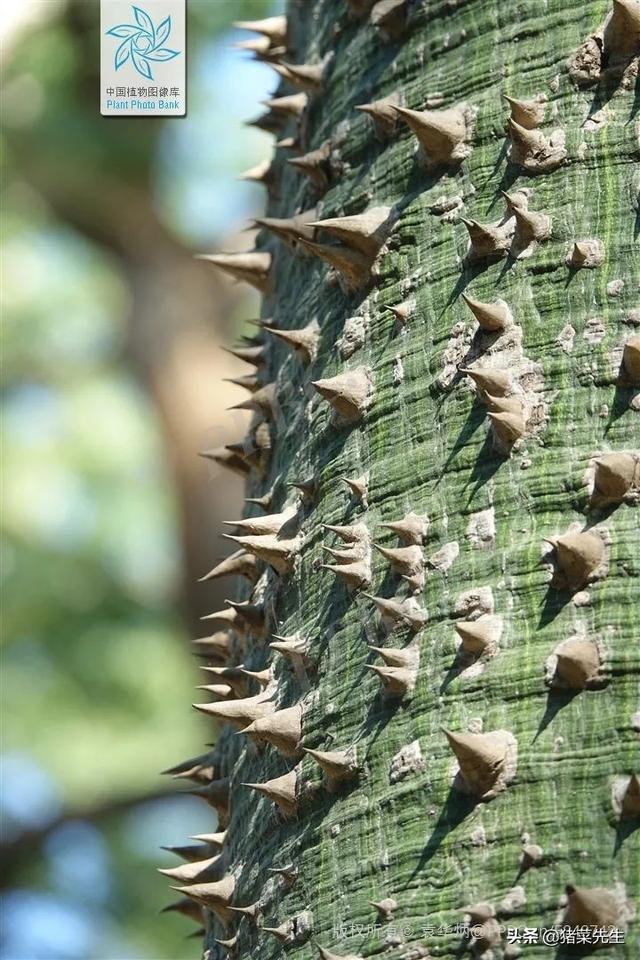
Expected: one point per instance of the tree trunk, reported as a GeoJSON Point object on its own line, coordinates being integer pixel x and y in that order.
{"type": "Point", "coordinates": [461, 411]}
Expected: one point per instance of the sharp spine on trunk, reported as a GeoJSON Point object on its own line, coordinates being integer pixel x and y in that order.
{"type": "Point", "coordinates": [214, 839]}
{"type": "Point", "coordinates": [253, 267]}
{"type": "Point", "coordinates": [488, 241]}
{"type": "Point", "coordinates": [197, 870]}
{"type": "Point", "coordinates": [308, 488]}
{"type": "Point", "coordinates": [622, 30]}
{"type": "Point", "coordinates": [631, 359]}
{"type": "Point", "coordinates": [358, 487]}
{"type": "Point", "coordinates": [309, 76]}
{"type": "Point", "coordinates": [251, 911]}
{"type": "Point", "coordinates": [230, 675]}
{"type": "Point", "coordinates": [230, 944]}
{"type": "Point", "coordinates": [593, 906]}
{"type": "Point", "coordinates": [292, 105]}
{"type": "Point", "coordinates": [630, 800]}
{"type": "Point", "coordinates": [225, 458]}
{"type": "Point", "coordinates": [215, 896]}
{"type": "Point", "coordinates": [406, 611]}
{"type": "Point", "coordinates": [337, 766]}
{"type": "Point", "coordinates": [412, 528]}
{"type": "Point", "coordinates": [315, 165]}
{"type": "Point", "coordinates": [281, 790]}
{"type": "Point", "coordinates": [577, 663]}
{"type": "Point", "coordinates": [479, 636]}
{"type": "Point", "coordinates": [585, 254]}
{"type": "Point", "coordinates": [578, 555]}
{"type": "Point", "coordinates": [253, 355]}
{"type": "Point", "coordinates": [303, 341]}
{"type": "Point", "coordinates": [385, 908]}
{"type": "Point", "coordinates": [615, 475]}
{"type": "Point", "coordinates": [278, 553]}
{"type": "Point", "coordinates": [262, 173]}
{"type": "Point", "coordinates": [188, 767]}
{"type": "Point", "coordinates": [217, 646]}
{"type": "Point", "coordinates": [482, 759]}
{"type": "Point", "coordinates": [191, 853]}
{"type": "Point", "coordinates": [238, 712]}
{"type": "Point", "coordinates": [531, 226]}
{"type": "Point", "coordinates": [283, 933]}
{"type": "Point", "coordinates": [248, 382]}
{"type": "Point", "coordinates": [390, 18]}
{"type": "Point", "coordinates": [528, 113]}
{"type": "Point", "coordinates": [270, 523]}
{"type": "Point", "coordinates": [353, 268]}
{"type": "Point", "coordinates": [397, 681]}
{"type": "Point", "coordinates": [282, 729]}
{"type": "Point", "coordinates": [407, 561]}
{"type": "Point", "coordinates": [265, 502]}
{"type": "Point", "coordinates": [532, 150]}
{"type": "Point", "coordinates": [262, 401]}
{"type": "Point", "coordinates": [489, 379]}
{"type": "Point", "coordinates": [383, 115]}
{"type": "Point", "coordinates": [240, 564]}
{"type": "Point", "coordinates": [293, 648]}
{"type": "Point", "coordinates": [353, 564]}
{"type": "Point", "coordinates": [275, 28]}
{"type": "Point", "coordinates": [508, 426]}
{"type": "Point", "coordinates": [289, 229]}
{"type": "Point", "coordinates": [442, 134]}
{"type": "Point", "coordinates": [289, 873]}
{"type": "Point", "coordinates": [350, 394]}
{"type": "Point", "coordinates": [186, 906]}
{"type": "Point", "coordinates": [490, 316]}
{"type": "Point", "coordinates": [363, 232]}
{"type": "Point", "coordinates": [215, 793]}
{"type": "Point", "coordinates": [402, 311]}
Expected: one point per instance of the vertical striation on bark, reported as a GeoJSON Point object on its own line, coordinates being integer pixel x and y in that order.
{"type": "Point", "coordinates": [448, 461]}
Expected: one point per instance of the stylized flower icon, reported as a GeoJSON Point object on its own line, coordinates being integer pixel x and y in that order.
{"type": "Point", "coordinates": [143, 42]}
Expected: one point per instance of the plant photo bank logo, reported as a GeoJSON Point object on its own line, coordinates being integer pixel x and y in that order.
{"type": "Point", "coordinates": [142, 43]}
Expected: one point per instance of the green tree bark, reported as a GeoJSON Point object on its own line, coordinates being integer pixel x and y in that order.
{"type": "Point", "coordinates": [510, 592]}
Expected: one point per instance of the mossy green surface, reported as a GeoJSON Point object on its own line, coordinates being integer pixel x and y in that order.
{"type": "Point", "coordinates": [429, 449]}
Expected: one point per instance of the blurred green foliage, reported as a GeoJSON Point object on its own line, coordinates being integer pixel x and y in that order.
{"type": "Point", "coordinates": [97, 673]}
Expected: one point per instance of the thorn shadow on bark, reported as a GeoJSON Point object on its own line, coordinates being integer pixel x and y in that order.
{"type": "Point", "coordinates": [624, 829]}
{"type": "Point", "coordinates": [461, 662]}
{"type": "Point", "coordinates": [622, 397]}
{"type": "Point", "coordinates": [607, 87]}
{"type": "Point", "coordinates": [554, 603]}
{"type": "Point", "coordinates": [507, 177]}
{"type": "Point", "coordinates": [596, 515]}
{"type": "Point", "coordinates": [571, 273]}
{"type": "Point", "coordinates": [457, 808]}
{"type": "Point", "coordinates": [475, 419]}
{"type": "Point", "coordinates": [556, 701]}
{"type": "Point", "coordinates": [469, 273]}
{"type": "Point", "coordinates": [420, 180]}
{"type": "Point", "coordinates": [487, 464]}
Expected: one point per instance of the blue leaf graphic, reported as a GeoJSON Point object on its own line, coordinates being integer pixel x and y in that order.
{"type": "Point", "coordinates": [141, 65]}
{"type": "Point", "coordinates": [145, 21]}
{"type": "Point", "coordinates": [164, 54]}
{"type": "Point", "coordinates": [124, 30]}
{"type": "Point", "coordinates": [163, 32]}
{"type": "Point", "coordinates": [122, 53]}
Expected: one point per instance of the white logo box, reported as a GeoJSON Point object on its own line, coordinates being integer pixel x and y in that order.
{"type": "Point", "coordinates": [143, 50]}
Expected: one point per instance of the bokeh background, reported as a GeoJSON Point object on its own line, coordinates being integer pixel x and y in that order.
{"type": "Point", "coordinates": [112, 379]}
